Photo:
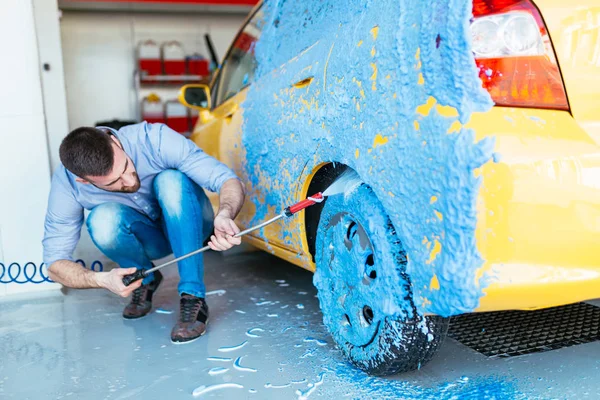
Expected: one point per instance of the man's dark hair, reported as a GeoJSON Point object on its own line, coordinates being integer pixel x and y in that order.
{"type": "Point", "coordinates": [87, 152]}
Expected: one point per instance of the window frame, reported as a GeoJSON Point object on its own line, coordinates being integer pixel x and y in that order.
{"type": "Point", "coordinates": [216, 81]}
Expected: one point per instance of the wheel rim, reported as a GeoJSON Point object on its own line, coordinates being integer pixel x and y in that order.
{"type": "Point", "coordinates": [353, 298]}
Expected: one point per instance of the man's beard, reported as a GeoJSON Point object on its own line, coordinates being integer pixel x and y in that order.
{"type": "Point", "coordinates": [126, 189]}
{"type": "Point", "coordinates": [131, 189]}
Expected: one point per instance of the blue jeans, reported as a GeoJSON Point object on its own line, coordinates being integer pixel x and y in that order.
{"type": "Point", "coordinates": [131, 239]}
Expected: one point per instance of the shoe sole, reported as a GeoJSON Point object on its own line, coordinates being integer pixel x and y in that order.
{"type": "Point", "coordinates": [194, 339]}
{"type": "Point", "coordinates": [135, 318]}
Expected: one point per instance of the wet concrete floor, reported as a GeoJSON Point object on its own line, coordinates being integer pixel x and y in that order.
{"type": "Point", "coordinates": [265, 341]}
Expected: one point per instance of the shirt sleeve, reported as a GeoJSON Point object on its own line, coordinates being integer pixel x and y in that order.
{"type": "Point", "coordinates": [64, 218]}
{"type": "Point", "coordinates": [174, 151]}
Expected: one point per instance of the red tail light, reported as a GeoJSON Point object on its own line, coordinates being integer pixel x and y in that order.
{"type": "Point", "coordinates": [515, 56]}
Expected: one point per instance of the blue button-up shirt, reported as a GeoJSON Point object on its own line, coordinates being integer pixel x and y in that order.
{"type": "Point", "coordinates": [153, 148]}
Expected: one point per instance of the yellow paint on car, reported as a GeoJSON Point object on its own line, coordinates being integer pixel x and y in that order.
{"type": "Point", "coordinates": [447, 111]}
{"type": "Point", "coordinates": [435, 283]}
{"type": "Point", "coordinates": [425, 109]}
{"type": "Point", "coordinates": [374, 76]}
{"type": "Point", "coordinates": [437, 249]}
{"type": "Point", "coordinates": [379, 140]}
{"type": "Point", "coordinates": [375, 32]}
{"type": "Point", "coordinates": [455, 127]}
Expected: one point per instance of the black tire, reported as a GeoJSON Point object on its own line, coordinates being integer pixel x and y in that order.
{"type": "Point", "coordinates": [364, 291]}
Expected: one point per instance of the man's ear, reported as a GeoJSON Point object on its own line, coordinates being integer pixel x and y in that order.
{"type": "Point", "coordinates": [82, 181]}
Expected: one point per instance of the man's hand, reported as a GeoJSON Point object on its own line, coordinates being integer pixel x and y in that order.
{"type": "Point", "coordinates": [225, 229]}
{"type": "Point", "coordinates": [113, 281]}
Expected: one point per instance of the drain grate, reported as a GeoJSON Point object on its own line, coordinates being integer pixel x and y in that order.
{"type": "Point", "coordinates": [514, 333]}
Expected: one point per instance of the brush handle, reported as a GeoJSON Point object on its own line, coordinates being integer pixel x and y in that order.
{"type": "Point", "coordinates": [137, 275]}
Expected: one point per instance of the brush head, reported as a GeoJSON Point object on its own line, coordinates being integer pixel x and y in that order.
{"type": "Point", "coordinates": [345, 183]}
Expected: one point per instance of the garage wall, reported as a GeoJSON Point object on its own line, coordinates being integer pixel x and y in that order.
{"type": "Point", "coordinates": [25, 177]}
{"type": "Point", "coordinates": [46, 18]}
{"type": "Point", "coordinates": [99, 55]}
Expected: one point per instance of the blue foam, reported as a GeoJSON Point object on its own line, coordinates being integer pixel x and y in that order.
{"type": "Point", "coordinates": [361, 110]}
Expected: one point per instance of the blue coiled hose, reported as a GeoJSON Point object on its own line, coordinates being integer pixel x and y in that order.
{"type": "Point", "coordinates": [32, 273]}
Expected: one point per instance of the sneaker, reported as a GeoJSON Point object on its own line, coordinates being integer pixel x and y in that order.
{"type": "Point", "coordinates": [141, 301]}
{"type": "Point", "coordinates": [193, 317]}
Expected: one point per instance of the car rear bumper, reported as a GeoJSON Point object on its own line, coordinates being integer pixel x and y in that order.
{"type": "Point", "coordinates": [538, 226]}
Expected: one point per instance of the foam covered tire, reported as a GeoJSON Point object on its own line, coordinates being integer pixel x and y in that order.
{"type": "Point", "coordinates": [363, 289]}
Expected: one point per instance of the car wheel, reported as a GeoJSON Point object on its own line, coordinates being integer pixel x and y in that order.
{"type": "Point", "coordinates": [364, 291]}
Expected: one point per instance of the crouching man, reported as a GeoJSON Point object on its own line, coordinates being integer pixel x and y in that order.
{"type": "Point", "coordinates": [144, 187]}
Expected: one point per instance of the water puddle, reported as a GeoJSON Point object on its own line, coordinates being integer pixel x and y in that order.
{"type": "Point", "coordinates": [217, 371]}
{"type": "Point", "coordinates": [317, 341]}
{"type": "Point", "coordinates": [271, 386]}
{"type": "Point", "coordinates": [219, 292]}
{"type": "Point", "coordinates": [304, 394]}
{"type": "Point", "coordinates": [250, 333]}
{"type": "Point", "coordinates": [237, 365]}
{"type": "Point", "coordinates": [226, 349]}
{"type": "Point", "coordinates": [219, 359]}
{"type": "Point", "coordinates": [201, 390]}
{"type": "Point", "coordinates": [308, 353]}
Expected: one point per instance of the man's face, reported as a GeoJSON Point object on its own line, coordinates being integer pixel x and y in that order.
{"type": "Point", "coordinates": [123, 177]}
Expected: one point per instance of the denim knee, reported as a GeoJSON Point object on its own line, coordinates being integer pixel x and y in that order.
{"type": "Point", "coordinates": [104, 222]}
{"type": "Point", "coordinates": [169, 188]}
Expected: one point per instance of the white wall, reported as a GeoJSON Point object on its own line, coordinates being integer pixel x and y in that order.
{"type": "Point", "coordinates": [99, 55]}
{"type": "Point", "coordinates": [24, 163]}
{"type": "Point", "coordinates": [46, 17]}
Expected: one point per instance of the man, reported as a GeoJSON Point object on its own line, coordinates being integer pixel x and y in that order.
{"type": "Point", "coordinates": [143, 185]}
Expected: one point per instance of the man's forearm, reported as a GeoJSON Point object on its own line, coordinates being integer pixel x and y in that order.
{"type": "Point", "coordinates": [231, 198]}
{"type": "Point", "coordinates": [73, 275]}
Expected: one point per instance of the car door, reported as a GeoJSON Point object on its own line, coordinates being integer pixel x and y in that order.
{"type": "Point", "coordinates": [220, 132]}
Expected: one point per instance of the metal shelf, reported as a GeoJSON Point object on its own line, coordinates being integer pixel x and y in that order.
{"type": "Point", "coordinates": [171, 78]}
{"type": "Point", "coordinates": [155, 6]}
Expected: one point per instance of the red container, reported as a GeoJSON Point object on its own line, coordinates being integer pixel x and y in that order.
{"type": "Point", "coordinates": [174, 67]}
{"type": "Point", "coordinates": [153, 110]}
{"type": "Point", "coordinates": [149, 66]}
{"type": "Point", "coordinates": [177, 116]}
{"type": "Point", "coordinates": [149, 61]}
{"type": "Point", "coordinates": [198, 66]}
{"type": "Point", "coordinates": [173, 57]}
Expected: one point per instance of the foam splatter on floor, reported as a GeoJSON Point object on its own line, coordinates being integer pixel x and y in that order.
{"type": "Point", "coordinates": [78, 346]}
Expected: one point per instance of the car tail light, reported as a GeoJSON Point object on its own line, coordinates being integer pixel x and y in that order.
{"type": "Point", "coordinates": [514, 55]}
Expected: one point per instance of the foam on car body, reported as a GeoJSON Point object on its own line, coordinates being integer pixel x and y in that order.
{"type": "Point", "coordinates": [390, 80]}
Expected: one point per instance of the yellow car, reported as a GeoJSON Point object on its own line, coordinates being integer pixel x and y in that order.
{"type": "Point", "coordinates": [474, 128]}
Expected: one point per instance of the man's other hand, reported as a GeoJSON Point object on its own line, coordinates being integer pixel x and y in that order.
{"type": "Point", "coordinates": [225, 229]}
{"type": "Point", "coordinates": [113, 281]}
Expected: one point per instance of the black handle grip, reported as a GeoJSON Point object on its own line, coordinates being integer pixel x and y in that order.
{"type": "Point", "coordinates": [137, 275]}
